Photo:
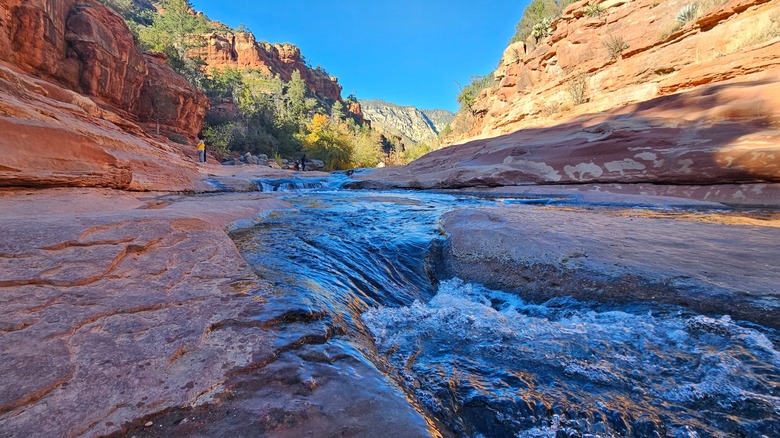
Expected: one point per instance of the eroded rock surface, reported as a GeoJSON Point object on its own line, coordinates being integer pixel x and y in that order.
{"type": "Point", "coordinates": [108, 310]}
{"type": "Point", "coordinates": [119, 307]}
{"type": "Point", "coordinates": [542, 253]}
{"type": "Point", "coordinates": [74, 93]}
{"type": "Point", "coordinates": [631, 52]}
{"type": "Point", "coordinates": [711, 136]}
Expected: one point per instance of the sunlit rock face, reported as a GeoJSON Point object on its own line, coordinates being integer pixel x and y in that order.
{"type": "Point", "coordinates": [692, 103]}
{"type": "Point", "coordinates": [242, 51]}
{"type": "Point", "coordinates": [407, 122]}
{"type": "Point", "coordinates": [76, 93]}
{"type": "Point", "coordinates": [632, 52]}
{"type": "Point", "coordinates": [710, 136]}
{"type": "Point", "coordinates": [87, 48]}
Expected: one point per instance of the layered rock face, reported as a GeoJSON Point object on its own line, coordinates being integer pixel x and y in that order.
{"type": "Point", "coordinates": [74, 91]}
{"type": "Point", "coordinates": [409, 123]}
{"type": "Point", "coordinates": [707, 99]}
{"type": "Point", "coordinates": [631, 52]}
{"type": "Point", "coordinates": [87, 48]}
{"type": "Point", "coordinates": [721, 134]}
{"type": "Point", "coordinates": [241, 51]}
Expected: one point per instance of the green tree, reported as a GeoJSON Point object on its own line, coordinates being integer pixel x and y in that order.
{"type": "Point", "coordinates": [468, 94]}
{"type": "Point", "coordinates": [295, 98]}
{"type": "Point", "coordinates": [325, 141]}
{"type": "Point", "coordinates": [175, 32]}
{"type": "Point", "coordinates": [337, 110]}
{"type": "Point", "coordinates": [223, 84]}
{"type": "Point", "coordinates": [219, 137]}
{"type": "Point", "coordinates": [366, 145]}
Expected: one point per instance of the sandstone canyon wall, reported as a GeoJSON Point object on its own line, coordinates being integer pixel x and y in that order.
{"type": "Point", "coordinates": [634, 51]}
{"type": "Point", "coordinates": [240, 50]}
{"type": "Point", "coordinates": [75, 92]}
{"type": "Point", "coordinates": [697, 104]}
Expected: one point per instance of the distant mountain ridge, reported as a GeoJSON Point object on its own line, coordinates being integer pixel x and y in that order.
{"type": "Point", "coordinates": [410, 123]}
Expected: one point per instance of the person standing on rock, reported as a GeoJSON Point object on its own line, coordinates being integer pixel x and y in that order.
{"type": "Point", "coordinates": [201, 149]}
{"type": "Point", "coordinates": [303, 162]}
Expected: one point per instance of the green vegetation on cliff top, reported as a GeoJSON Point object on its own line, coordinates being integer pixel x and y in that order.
{"type": "Point", "coordinates": [251, 111]}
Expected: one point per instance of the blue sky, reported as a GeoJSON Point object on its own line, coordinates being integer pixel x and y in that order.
{"type": "Point", "coordinates": [410, 52]}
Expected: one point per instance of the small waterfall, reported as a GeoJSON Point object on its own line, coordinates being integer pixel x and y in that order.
{"type": "Point", "coordinates": [363, 267]}
{"type": "Point", "coordinates": [289, 184]}
{"type": "Point", "coordinates": [334, 181]}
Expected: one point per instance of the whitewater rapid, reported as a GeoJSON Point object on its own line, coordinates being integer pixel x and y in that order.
{"type": "Point", "coordinates": [482, 362]}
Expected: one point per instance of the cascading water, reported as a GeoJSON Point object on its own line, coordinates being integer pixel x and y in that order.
{"type": "Point", "coordinates": [487, 363]}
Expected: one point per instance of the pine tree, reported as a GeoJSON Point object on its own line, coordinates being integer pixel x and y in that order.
{"type": "Point", "coordinates": [175, 32]}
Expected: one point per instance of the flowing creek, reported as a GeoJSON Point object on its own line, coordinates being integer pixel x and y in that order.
{"type": "Point", "coordinates": [486, 363]}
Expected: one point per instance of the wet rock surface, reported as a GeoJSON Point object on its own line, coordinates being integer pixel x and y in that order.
{"type": "Point", "coordinates": [542, 253]}
{"type": "Point", "coordinates": [121, 309]}
{"type": "Point", "coordinates": [316, 390]}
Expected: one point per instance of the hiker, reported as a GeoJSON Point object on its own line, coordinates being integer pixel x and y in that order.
{"type": "Point", "coordinates": [201, 149]}
{"type": "Point", "coordinates": [303, 162]}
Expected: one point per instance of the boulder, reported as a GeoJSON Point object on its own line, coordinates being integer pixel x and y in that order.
{"type": "Point", "coordinates": [314, 164]}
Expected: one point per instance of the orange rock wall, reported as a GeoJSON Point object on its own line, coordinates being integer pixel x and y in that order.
{"type": "Point", "coordinates": [75, 93]}
{"type": "Point", "coordinates": [661, 58]}
{"type": "Point", "coordinates": [84, 46]}
{"type": "Point", "coordinates": [242, 51]}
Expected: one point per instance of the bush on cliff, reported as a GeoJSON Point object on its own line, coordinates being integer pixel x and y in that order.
{"type": "Point", "coordinates": [535, 13]}
{"type": "Point", "coordinates": [469, 94]}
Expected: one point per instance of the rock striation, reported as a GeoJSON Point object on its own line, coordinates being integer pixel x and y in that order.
{"type": "Point", "coordinates": [409, 123]}
{"type": "Point", "coordinates": [714, 135]}
{"type": "Point", "coordinates": [85, 47]}
{"type": "Point", "coordinates": [119, 307]}
{"type": "Point", "coordinates": [75, 93]}
{"type": "Point", "coordinates": [631, 52]}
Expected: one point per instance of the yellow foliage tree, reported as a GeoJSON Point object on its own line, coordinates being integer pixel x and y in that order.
{"type": "Point", "coordinates": [327, 144]}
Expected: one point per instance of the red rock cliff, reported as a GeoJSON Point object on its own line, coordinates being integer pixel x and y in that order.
{"type": "Point", "coordinates": [632, 52]}
{"type": "Point", "coordinates": [694, 104]}
{"type": "Point", "coordinates": [74, 90]}
{"type": "Point", "coordinates": [240, 50]}
{"type": "Point", "coordinates": [87, 48]}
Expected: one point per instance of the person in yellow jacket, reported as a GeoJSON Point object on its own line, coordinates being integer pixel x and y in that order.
{"type": "Point", "coordinates": [201, 150]}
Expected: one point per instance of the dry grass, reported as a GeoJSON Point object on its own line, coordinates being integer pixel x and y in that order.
{"type": "Point", "coordinates": [688, 13]}
{"type": "Point", "coordinates": [593, 10]}
{"type": "Point", "coordinates": [615, 46]}
{"type": "Point", "coordinates": [549, 109]}
{"type": "Point", "coordinates": [668, 30]}
{"type": "Point", "coordinates": [577, 87]}
{"type": "Point", "coordinates": [763, 32]}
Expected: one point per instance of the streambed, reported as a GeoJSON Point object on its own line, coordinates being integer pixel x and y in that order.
{"type": "Point", "coordinates": [480, 362]}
